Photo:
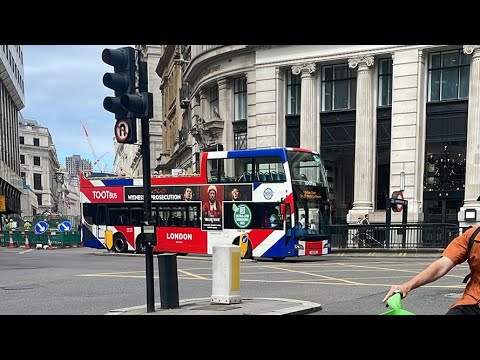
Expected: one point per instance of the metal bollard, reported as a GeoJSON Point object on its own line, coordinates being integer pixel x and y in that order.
{"type": "Point", "coordinates": [167, 273]}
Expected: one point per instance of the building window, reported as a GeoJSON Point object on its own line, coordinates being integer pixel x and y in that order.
{"type": "Point", "coordinates": [36, 160]}
{"type": "Point", "coordinates": [39, 199]}
{"type": "Point", "coordinates": [385, 72]}
{"type": "Point", "coordinates": [22, 159]}
{"type": "Point", "coordinates": [239, 140]}
{"type": "Point", "coordinates": [339, 87]}
{"type": "Point", "coordinates": [36, 142]}
{"type": "Point", "coordinates": [22, 140]}
{"type": "Point", "coordinates": [23, 176]}
{"type": "Point", "coordinates": [213, 101]}
{"type": "Point", "coordinates": [293, 93]}
{"type": "Point", "coordinates": [240, 98]}
{"type": "Point", "coordinates": [37, 181]}
{"type": "Point", "coordinates": [448, 75]}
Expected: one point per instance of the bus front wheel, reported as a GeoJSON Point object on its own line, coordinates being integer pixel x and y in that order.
{"type": "Point", "coordinates": [119, 244]}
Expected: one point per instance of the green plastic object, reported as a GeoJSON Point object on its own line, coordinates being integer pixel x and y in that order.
{"type": "Point", "coordinates": [395, 302]}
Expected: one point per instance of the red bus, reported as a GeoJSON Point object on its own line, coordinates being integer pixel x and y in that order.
{"type": "Point", "coordinates": [274, 202]}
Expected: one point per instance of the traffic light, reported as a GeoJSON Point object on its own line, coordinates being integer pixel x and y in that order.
{"type": "Point", "coordinates": [122, 82]}
{"type": "Point", "coordinates": [140, 104]}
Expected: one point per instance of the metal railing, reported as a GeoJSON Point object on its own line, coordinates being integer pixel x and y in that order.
{"type": "Point", "coordinates": [409, 236]}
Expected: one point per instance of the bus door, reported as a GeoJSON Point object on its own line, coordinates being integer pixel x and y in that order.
{"type": "Point", "coordinates": [287, 218]}
{"type": "Point", "coordinates": [101, 221]}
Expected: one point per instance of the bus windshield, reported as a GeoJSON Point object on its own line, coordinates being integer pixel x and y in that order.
{"type": "Point", "coordinates": [306, 167]}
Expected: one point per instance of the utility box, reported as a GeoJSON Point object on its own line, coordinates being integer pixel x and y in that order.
{"type": "Point", "coordinates": [226, 275]}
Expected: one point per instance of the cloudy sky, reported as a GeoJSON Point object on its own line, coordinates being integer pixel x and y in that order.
{"type": "Point", "coordinates": [63, 88]}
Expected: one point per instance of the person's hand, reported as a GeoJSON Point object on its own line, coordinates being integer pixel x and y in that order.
{"type": "Point", "coordinates": [393, 290]}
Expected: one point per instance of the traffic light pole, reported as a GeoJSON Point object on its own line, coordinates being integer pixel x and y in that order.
{"type": "Point", "coordinates": [147, 186]}
{"type": "Point", "coordinates": [147, 208]}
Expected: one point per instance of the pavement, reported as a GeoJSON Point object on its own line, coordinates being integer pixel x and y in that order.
{"type": "Point", "coordinates": [247, 306]}
{"type": "Point", "coordinates": [269, 306]}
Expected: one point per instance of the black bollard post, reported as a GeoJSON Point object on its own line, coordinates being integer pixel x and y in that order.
{"type": "Point", "coordinates": [167, 272]}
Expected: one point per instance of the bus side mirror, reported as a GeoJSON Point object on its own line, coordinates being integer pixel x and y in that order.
{"type": "Point", "coordinates": [283, 210]}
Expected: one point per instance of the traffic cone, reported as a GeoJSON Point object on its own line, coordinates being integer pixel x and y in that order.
{"type": "Point", "coordinates": [27, 244]}
{"type": "Point", "coordinates": [49, 247]}
{"type": "Point", "coordinates": [11, 244]}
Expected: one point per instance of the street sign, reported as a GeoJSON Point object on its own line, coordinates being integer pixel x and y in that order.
{"type": "Point", "coordinates": [398, 201]}
{"type": "Point", "coordinates": [41, 227]}
{"type": "Point", "coordinates": [3, 205]}
{"type": "Point", "coordinates": [122, 129]}
{"type": "Point", "coordinates": [65, 226]}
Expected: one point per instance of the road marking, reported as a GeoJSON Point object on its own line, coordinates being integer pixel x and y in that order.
{"type": "Point", "coordinates": [25, 251]}
{"type": "Point", "coordinates": [312, 274]}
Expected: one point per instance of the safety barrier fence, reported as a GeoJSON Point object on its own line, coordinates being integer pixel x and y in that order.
{"type": "Point", "coordinates": [17, 238]}
{"type": "Point", "coordinates": [395, 236]}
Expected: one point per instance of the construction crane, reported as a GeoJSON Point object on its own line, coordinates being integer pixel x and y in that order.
{"type": "Point", "coordinates": [92, 148]}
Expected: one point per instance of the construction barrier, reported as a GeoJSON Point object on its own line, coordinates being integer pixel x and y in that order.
{"type": "Point", "coordinates": [55, 239]}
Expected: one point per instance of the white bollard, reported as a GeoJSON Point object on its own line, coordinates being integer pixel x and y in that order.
{"type": "Point", "coordinates": [226, 274]}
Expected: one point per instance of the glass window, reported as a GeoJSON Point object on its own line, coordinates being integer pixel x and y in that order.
{"type": "Point", "coordinates": [293, 93]}
{"type": "Point", "coordinates": [385, 82]}
{"type": "Point", "coordinates": [239, 140]}
{"type": "Point", "coordinates": [36, 142]}
{"type": "Point", "coordinates": [448, 75]}
{"type": "Point", "coordinates": [37, 181]}
{"type": "Point", "coordinates": [39, 199]}
{"type": "Point", "coordinates": [22, 140]}
{"type": "Point", "coordinates": [213, 101]}
{"type": "Point", "coordinates": [339, 88]}
{"type": "Point", "coordinates": [36, 160]}
{"type": "Point", "coordinates": [240, 98]}
{"type": "Point", "coordinates": [22, 159]}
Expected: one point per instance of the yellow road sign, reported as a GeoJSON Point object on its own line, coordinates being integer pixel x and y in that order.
{"type": "Point", "coordinates": [3, 205]}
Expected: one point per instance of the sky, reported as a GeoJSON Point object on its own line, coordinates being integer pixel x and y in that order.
{"type": "Point", "coordinates": [63, 88]}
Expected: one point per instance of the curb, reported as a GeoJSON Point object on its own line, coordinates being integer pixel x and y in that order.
{"type": "Point", "coordinates": [298, 307]}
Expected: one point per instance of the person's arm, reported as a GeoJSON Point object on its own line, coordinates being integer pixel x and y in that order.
{"type": "Point", "coordinates": [434, 271]}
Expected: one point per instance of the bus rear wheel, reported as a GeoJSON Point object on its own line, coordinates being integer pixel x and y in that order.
{"type": "Point", "coordinates": [119, 244]}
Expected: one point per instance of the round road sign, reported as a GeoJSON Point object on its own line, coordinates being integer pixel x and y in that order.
{"type": "Point", "coordinates": [122, 129]}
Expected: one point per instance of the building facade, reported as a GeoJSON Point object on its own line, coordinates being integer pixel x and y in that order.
{"type": "Point", "coordinates": [176, 147]}
{"type": "Point", "coordinates": [378, 114]}
{"type": "Point", "coordinates": [12, 100]}
{"type": "Point", "coordinates": [39, 166]}
{"type": "Point", "coordinates": [75, 164]}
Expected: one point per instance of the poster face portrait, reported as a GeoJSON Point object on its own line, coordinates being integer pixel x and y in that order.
{"type": "Point", "coordinates": [212, 196]}
{"type": "Point", "coordinates": [238, 193]}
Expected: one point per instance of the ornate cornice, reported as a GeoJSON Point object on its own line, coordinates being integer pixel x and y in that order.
{"type": "Point", "coordinates": [361, 60]}
{"type": "Point", "coordinates": [469, 49]}
{"type": "Point", "coordinates": [304, 68]}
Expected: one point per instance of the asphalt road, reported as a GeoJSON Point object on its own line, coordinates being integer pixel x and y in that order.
{"type": "Point", "coordinates": [81, 281]}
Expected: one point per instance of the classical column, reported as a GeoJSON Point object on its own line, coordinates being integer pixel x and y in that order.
{"type": "Point", "coordinates": [364, 139]}
{"type": "Point", "coordinates": [225, 113]}
{"type": "Point", "coordinates": [308, 114]}
{"type": "Point", "coordinates": [472, 173]}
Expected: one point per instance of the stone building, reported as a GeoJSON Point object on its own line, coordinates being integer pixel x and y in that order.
{"type": "Point", "coordinates": [12, 100]}
{"type": "Point", "coordinates": [376, 113]}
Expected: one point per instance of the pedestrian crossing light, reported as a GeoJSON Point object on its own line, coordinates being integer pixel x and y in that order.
{"type": "Point", "coordinates": [122, 82]}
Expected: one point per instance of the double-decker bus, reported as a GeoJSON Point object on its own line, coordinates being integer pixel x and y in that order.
{"type": "Point", "coordinates": [273, 202]}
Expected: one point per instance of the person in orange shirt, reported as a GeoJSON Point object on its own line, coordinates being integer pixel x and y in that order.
{"type": "Point", "coordinates": [454, 254]}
